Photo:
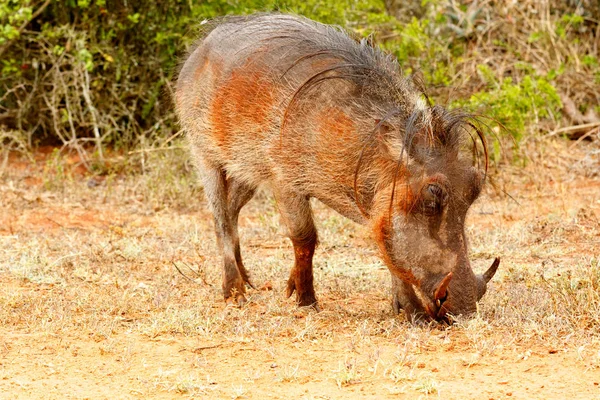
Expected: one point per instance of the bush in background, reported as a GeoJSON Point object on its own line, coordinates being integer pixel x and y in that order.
{"type": "Point", "coordinates": [99, 72]}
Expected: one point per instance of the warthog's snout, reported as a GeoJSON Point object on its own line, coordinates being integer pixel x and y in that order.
{"type": "Point", "coordinates": [450, 296]}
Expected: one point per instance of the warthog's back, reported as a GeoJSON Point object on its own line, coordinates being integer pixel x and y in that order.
{"type": "Point", "coordinates": [234, 93]}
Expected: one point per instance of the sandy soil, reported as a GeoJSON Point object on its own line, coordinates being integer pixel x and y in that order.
{"type": "Point", "coordinates": [92, 307]}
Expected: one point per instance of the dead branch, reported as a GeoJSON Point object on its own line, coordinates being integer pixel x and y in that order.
{"type": "Point", "coordinates": [574, 128]}
{"type": "Point", "coordinates": [85, 86]}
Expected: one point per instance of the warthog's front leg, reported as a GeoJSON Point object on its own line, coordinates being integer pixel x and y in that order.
{"type": "Point", "coordinates": [297, 215]}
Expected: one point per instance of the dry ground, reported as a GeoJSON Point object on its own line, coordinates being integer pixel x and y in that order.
{"type": "Point", "coordinates": [91, 305]}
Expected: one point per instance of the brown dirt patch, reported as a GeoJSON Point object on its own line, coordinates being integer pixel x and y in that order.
{"type": "Point", "coordinates": [91, 305]}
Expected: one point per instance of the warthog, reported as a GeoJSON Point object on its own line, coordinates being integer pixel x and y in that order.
{"type": "Point", "coordinates": [303, 107]}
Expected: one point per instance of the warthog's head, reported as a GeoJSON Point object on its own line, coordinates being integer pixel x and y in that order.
{"type": "Point", "coordinates": [422, 232]}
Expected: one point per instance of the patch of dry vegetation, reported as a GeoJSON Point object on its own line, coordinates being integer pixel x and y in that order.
{"type": "Point", "coordinates": [87, 267]}
{"type": "Point", "coordinates": [531, 65]}
{"type": "Point", "coordinates": [92, 304]}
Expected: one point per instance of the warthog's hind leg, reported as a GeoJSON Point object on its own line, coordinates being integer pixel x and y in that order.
{"type": "Point", "coordinates": [238, 195]}
{"type": "Point", "coordinates": [226, 199]}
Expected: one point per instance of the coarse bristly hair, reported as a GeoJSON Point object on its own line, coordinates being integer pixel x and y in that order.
{"type": "Point", "coordinates": [376, 78]}
{"type": "Point", "coordinates": [309, 69]}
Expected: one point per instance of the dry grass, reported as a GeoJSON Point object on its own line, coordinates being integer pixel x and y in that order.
{"type": "Point", "coordinates": [92, 306]}
{"type": "Point", "coordinates": [89, 289]}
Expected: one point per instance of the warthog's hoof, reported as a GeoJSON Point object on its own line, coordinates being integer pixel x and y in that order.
{"type": "Point", "coordinates": [237, 300]}
{"type": "Point", "coordinates": [396, 305]}
{"type": "Point", "coordinates": [234, 291]}
{"type": "Point", "coordinates": [304, 297]}
{"type": "Point", "coordinates": [315, 306]}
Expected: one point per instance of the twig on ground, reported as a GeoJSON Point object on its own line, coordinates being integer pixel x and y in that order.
{"type": "Point", "coordinates": [194, 272]}
{"type": "Point", "coordinates": [153, 150]}
{"type": "Point", "coordinates": [573, 128]}
{"type": "Point", "coordinates": [584, 136]}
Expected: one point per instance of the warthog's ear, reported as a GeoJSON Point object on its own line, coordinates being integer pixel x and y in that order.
{"type": "Point", "coordinates": [394, 143]}
{"type": "Point", "coordinates": [441, 291]}
{"type": "Point", "coordinates": [475, 184]}
{"type": "Point", "coordinates": [387, 138]}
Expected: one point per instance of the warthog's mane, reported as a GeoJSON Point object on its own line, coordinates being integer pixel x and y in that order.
{"type": "Point", "coordinates": [378, 87]}
{"type": "Point", "coordinates": [376, 77]}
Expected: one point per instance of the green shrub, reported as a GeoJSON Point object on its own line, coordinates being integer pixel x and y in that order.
{"type": "Point", "coordinates": [516, 105]}
{"type": "Point", "coordinates": [100, 72]}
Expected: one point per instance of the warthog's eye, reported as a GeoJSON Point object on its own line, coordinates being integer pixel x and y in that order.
{"type": "Point", "coordinates": [434, 199]}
